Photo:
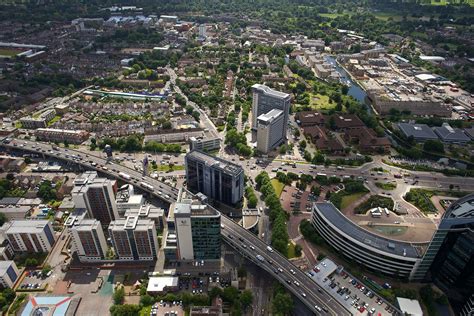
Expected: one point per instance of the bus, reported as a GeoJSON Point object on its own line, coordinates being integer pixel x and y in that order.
{"type": "Point", "coordinates": [146, 186]}
{"type": "Point", "coordinates": [124, 175]}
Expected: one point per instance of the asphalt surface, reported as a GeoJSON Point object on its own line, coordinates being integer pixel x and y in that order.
{"type": "Point", "coordinates": [91, 161]}
{"type": "Point", "coordinates": [236, 236]}
{"type": "Point", "coordinates": [306, 285]}
{"type": "Point", "coordinates": [313, 294]}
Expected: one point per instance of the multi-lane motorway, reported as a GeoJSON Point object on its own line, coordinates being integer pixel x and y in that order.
{"type": "Point", "coordinates": [91, 161]}
{"type": "Point", "coordinates": [288, 274]}
{"type": "Point", "coordinates": [295, 280]}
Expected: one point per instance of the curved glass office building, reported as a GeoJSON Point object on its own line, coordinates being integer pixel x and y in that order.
{"type": "Point", "coordinates": [388, 256]}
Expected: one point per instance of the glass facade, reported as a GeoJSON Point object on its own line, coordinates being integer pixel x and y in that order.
{"type": "Point", "coordinates": [206, 233]}
{"type": "Point", "coordinates": [453, 268]}
{"type": "Point", "coordinates": [12, 274]}
{"type": "Point", "coordinates": [214, 181]}
{"type": "Point", "coordinates": [449, 260]}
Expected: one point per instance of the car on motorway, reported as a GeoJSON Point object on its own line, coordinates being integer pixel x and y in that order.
{"type": "Point", "coordinates": [280, 269]}
{"type": "Point", "coordinates": [252, 247]}
{"type": "Point", "coordinates": [316, 307]}
{"type": "Point", "coordinates": [296, 283]}
{"type": "Point", "coordinates": [269, 249]}
{"type": "Point", "coordinates": [303, 294]}
{"type": "Point", "coordinates": [292, 271]}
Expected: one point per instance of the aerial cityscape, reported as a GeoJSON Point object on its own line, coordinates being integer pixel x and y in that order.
{"type": "Point", "coordinates": [211, 158]}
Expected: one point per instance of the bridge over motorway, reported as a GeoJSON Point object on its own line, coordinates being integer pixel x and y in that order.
{"type": "Point", "coordinates": [243, 241]}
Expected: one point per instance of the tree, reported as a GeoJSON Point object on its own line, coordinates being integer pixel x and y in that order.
{"type": "Point", "coordinates": [119, 295]}
{"type": "Point", "coordinates": [298, 250]}
{"type": "Point", "coordinates": [252, 201]}
{"type": "Point", "coordinates": [303, 144]}
{"type": "Point", "coordinates": [230, 294]}
{"type": "Point", "coordinates": [282, 304]}
{"type": "Point", "coordinates": [316, 190]}
{"type": "Point", "coordinates": [166, 125]}
{"type": "Point", "coordinates": [124, 310]}
{"type": "Point", "coordinates": [215, 292]}
{"type": "Point", "coordinates": [46, 192]}
{"type": "Point", "coordinates": [147, 300]}
{"type": "Point", "coordinates": [93, 144]}
{"type": "Point", "coordinates": [31, 262]}
{"type": "Point", "coordinates": [46, 269]}
{"type": "Point", "coordinates": [246, 298]}
{"type": "Point", "coordinates": [433, 146]}
{"type": "Point", "coordinates": [283, 149]}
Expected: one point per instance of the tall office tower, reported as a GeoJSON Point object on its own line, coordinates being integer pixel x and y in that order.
{"type": "Point", "coordinates": [134, 238]}
{"type": "Point", "coordinates": [31, 235]}
{"type": "Point", "coordinates": [88, 240]}
{"type": "Point", "coordinates": [270, 130]}
{"type": "Point", "coordinates": [217, 178]}
{"type": "Point", "coordinates": [266, 99]}
{"type": "Point", "coordinates": [198, 229]}
{"type": "Point", "coordinates": [449, 259]}
{"type": "Point", "coordinates": [97, 196]}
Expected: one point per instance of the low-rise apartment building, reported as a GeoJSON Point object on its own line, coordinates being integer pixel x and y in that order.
{"type": "Point", "coordinates": [39, 121]}
{"type": "Point", "coordinates": [61, 135]}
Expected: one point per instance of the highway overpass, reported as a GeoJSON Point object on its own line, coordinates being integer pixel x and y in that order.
{"type": "Point", "coordinates": [246, 243]}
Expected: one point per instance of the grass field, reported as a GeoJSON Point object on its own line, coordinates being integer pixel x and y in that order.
{"type": "Point", "coordinates": [321, 102]}
{"type": "Point", "coordinates": [386, 186]}
{"type": "Point", "coordinates": [8, 52]}
{"type": "Point", "coordinates": [278, 186]}
{"type": "Point", "coordinates": [349, 199]}
{"type": "Point", "coordinates": [166, 168]}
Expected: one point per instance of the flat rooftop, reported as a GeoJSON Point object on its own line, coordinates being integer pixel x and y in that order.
{"type": "Point", "coordinates": [270, 116]}
{"type": "Point", "coordinates": [192, 208]}
{"type": "Point", "coordinates": [216, 162]}
{"type": "Point", "coordinates": [27, 226]}
{"type": "Point", "coordinates": [132, 223]}
{"type": "Point", "coordinates": [158, 284]}
{"type": "Point", "coordinates": [269, 91]}
{"type": "Point", "coordinates": [396, 247]}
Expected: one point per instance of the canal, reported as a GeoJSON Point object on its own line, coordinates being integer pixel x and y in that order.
{"type": "Point", "coordinates": [354, 90]}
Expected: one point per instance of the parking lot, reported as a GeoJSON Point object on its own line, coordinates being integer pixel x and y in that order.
{"type": "Point", "coordinates": [34, 280]}
{"type": "Point", "coordinates": [349, 291]}
{"type": "Point", "coordinates": [294, 199]}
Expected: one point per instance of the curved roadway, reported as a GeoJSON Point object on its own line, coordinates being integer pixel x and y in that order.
{"type": "Point", "coordinates": [313, 295]}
